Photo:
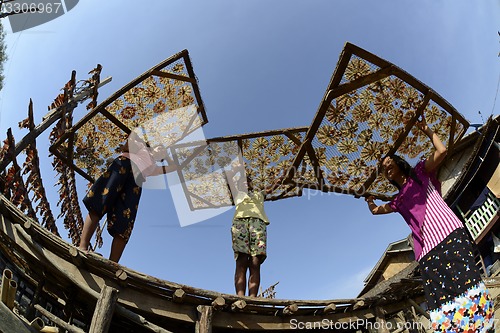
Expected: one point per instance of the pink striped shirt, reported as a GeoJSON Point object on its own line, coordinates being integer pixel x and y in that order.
{"type": "Point", "coordinates": [424, 210]}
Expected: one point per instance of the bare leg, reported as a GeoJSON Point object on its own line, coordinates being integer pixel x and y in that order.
{"type": "Point", "coordinates": [117, 248]}
{"type": "Point", "coordinates": [254, 278]}
{"type": "Point", "coordinates": [89, 227]}
{"type": "Point", "coordinates": [240, 274]}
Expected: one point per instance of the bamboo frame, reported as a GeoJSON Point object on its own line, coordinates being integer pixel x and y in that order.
{"type": "Point", "coordinates": [159, 70]}
{"type": "Point", "coordinates": [338, 87]}
{"type": "Point", "coordinates": [199, 149]}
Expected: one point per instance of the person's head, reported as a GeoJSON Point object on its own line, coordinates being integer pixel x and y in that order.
{"type": "Point", "coordinates": [394, 166]}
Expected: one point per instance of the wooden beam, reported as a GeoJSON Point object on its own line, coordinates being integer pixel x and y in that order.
{"type": "Point", "coordinates": [290, 309]}
{"type": "Point", "coordinates": [121, 277]}
{"type": "Point", "coordinates": [358, 304]}
{"type": "Point", "coordinates": [103, 314]}
{"type": "Point", "coordinates": [219, 303]}
{"type": "Point", "coordinates": [58, 321]}
{"type": "Point", "coordinates": [330, 308]}
{"type": "Point", "coordinates": [76, 258]}
{"type": "Point", "coordinates": [238, 305]}
{"type": "Point", "coordinates": [140, 320]}
{"type": "Point", "coordinates": [204, 322]}
{"type": "Point", "coordinates": [178, 296]}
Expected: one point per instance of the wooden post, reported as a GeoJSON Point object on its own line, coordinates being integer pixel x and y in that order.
{"type": "Point", "coordinates": [381, 322]}
{"type": "Point", "coordinates": [6, 278]}
{"type": "Point", "coordinates": [104, 310]}
{"type": "Point", "coordinates": [204, 322]}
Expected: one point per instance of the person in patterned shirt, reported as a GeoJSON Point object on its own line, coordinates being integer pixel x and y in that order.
{"type": "Point", "coordinates": [118, 190]}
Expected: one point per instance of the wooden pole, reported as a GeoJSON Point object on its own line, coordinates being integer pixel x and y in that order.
{"type": "Point", "coordinates": [204, 322]}
{"type": "Point", "coordinates": [104, 309]}
{"type": "Point", "coordinates": [58, 321]}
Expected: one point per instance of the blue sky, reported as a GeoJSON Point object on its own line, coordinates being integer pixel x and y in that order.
{"type": "Point", "coordinates": [261, 65]}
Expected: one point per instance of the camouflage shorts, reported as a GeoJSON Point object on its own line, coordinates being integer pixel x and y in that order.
{"type": "Point", "coordinates": [249, 236]}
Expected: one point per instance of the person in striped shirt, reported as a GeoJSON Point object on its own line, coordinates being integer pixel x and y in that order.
{"type": "Point", "coordinates": [456, 296]}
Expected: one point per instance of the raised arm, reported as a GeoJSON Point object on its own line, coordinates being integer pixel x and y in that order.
{"type": "Point", "coordinates": [377, 210]}
{"type": "Point", "coordinates": [433, 161]}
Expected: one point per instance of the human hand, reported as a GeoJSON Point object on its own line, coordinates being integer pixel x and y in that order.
{"type": "Point", "coordinates": [422, 124]}
{"type": "Point", "coordinates": [370, 199]}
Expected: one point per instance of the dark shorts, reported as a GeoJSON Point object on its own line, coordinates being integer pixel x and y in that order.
{"type": "Point", "coordinates": [117, 194]}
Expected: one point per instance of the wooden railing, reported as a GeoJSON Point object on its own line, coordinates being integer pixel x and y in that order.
{"type": "Point", "coordinates": [477, 220]}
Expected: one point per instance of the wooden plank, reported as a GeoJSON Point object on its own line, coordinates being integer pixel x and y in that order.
{"type": "Point", "coordinates": [103, 314]}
